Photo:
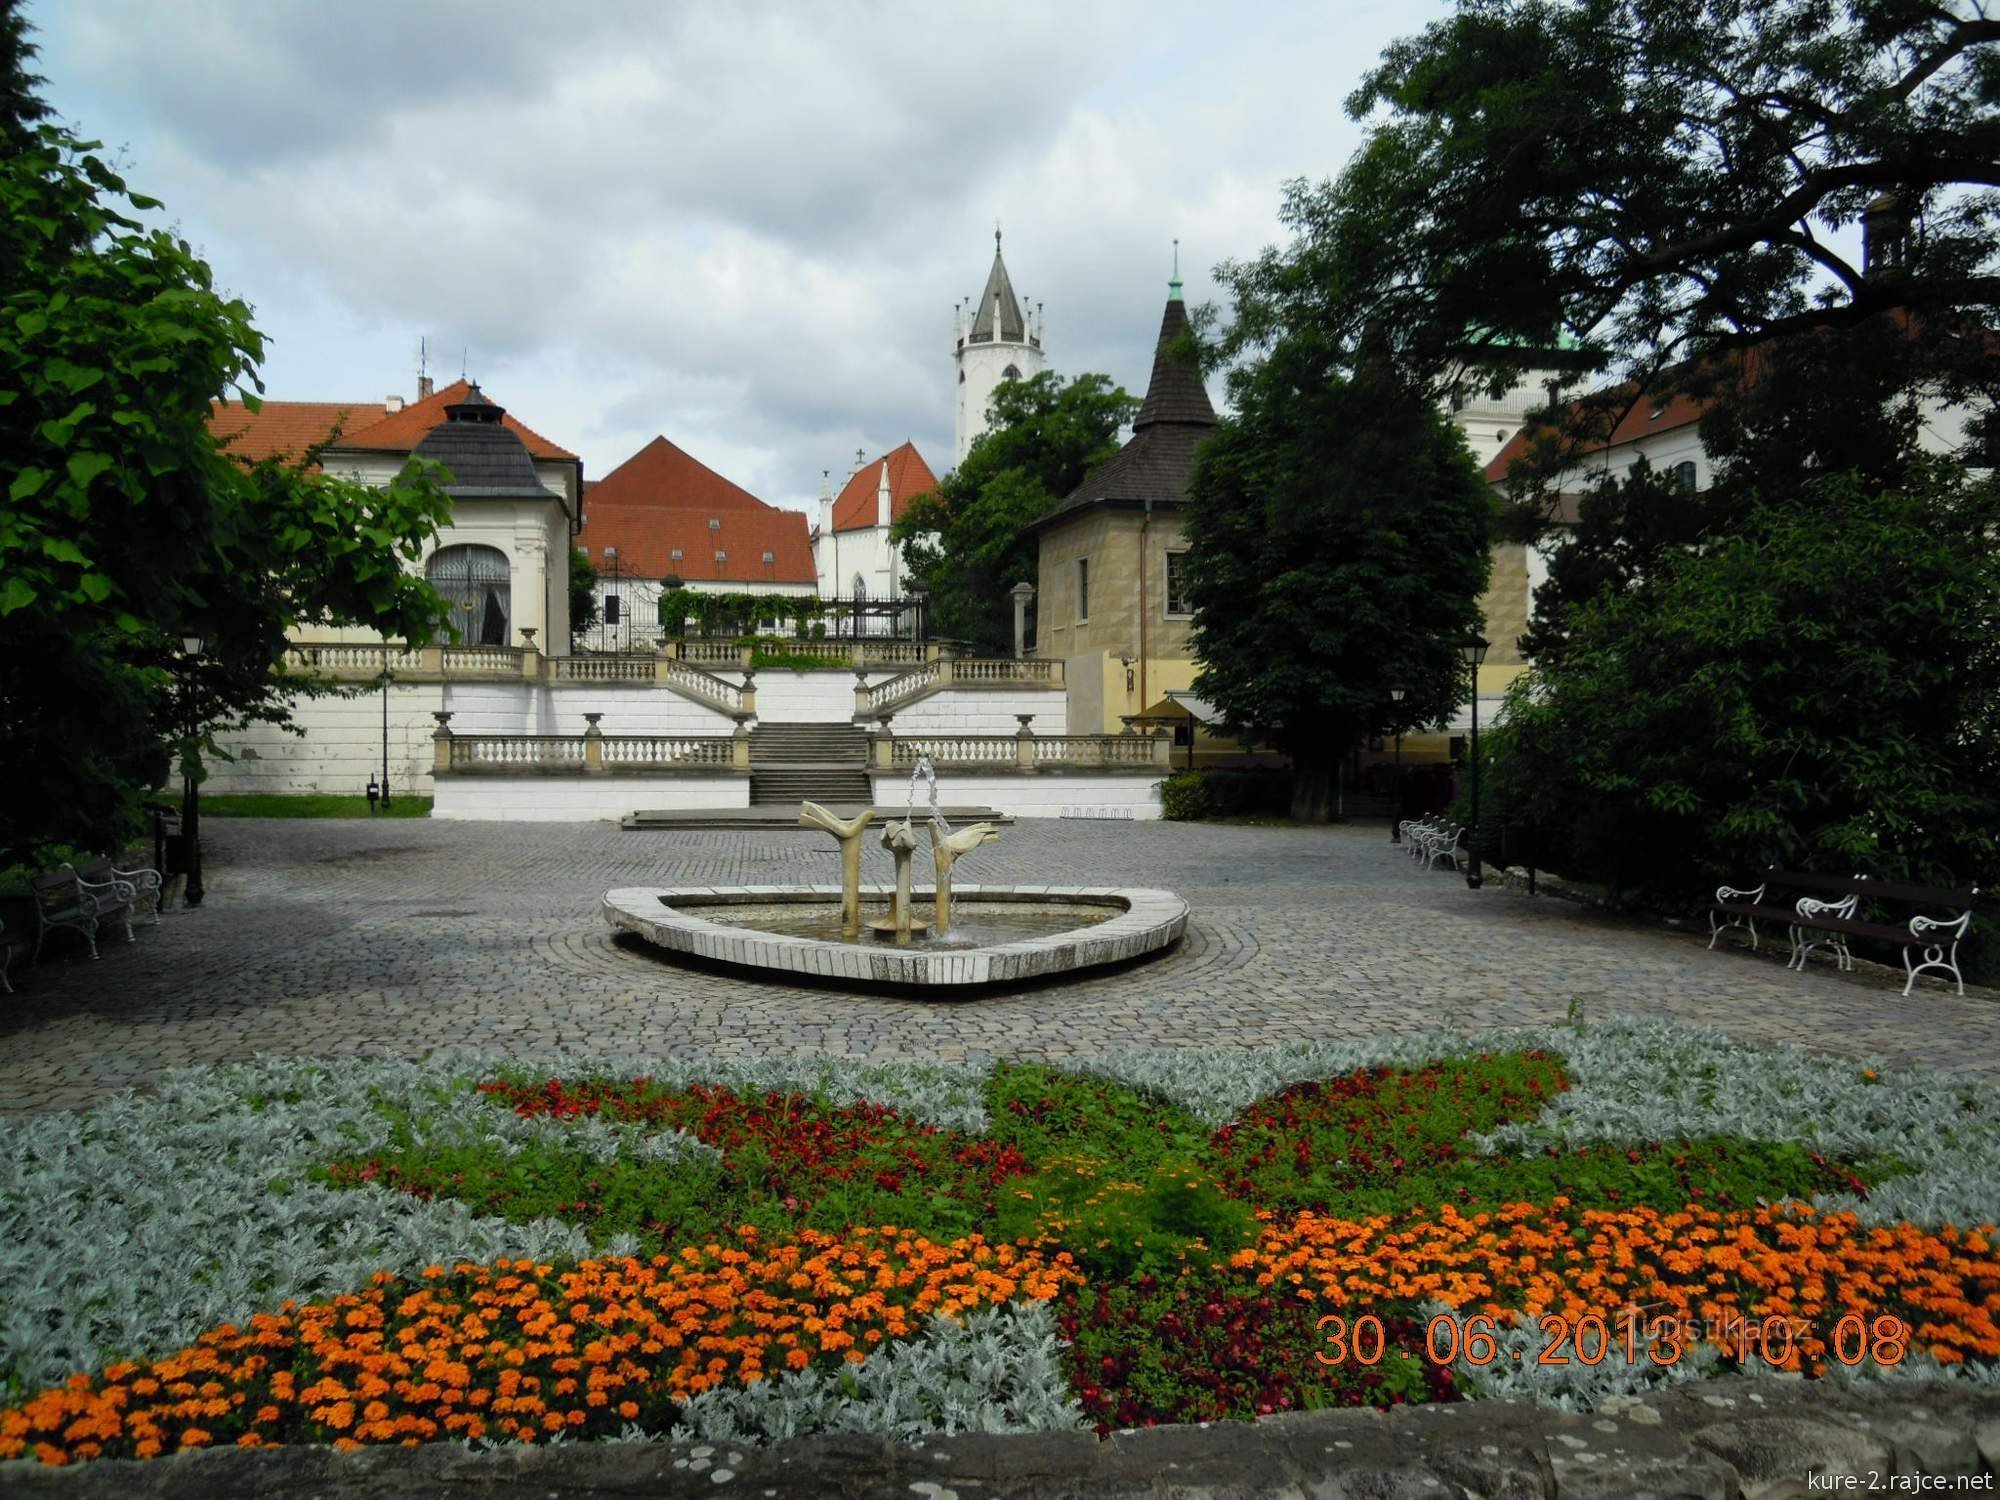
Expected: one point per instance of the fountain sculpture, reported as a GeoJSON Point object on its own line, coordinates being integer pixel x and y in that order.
{"type": "Point", "coordinates": [1017, 932]}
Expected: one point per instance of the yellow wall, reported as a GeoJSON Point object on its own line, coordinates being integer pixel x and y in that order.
{"type": "Point", "coordinates": [1110, 540]}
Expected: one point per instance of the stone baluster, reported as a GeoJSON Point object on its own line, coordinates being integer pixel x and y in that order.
{"type": "Point", "coordinates": [1024, 743]}
{"type": "Point", "coordinates": [882, 745]}
{"type": "Point", "coordinates": [441, 742]}
{"type": "Point", "coordinates": [593, 744]}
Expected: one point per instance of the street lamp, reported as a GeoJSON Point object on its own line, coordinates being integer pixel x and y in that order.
{"type": "Point", "coordinates": [1396, 811]}
{"type": "Point", "coordinates": [1473, 650]}
{"type": "Point", "coordinates": [386, 679]}
{"type": "Point", "coordinates": [191, 788]}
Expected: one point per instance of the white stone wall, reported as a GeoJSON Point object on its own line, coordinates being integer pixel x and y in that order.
{"type": "Point", "coordinates": [980, 711]}
{"type": "Point", "coordinates": [787, 697]}
{"type": "Point", "coordinates": [1047, 794]}
{"type": "Point", "coordinates": [341, 749]}
{"type": "Point", "coordinates": [865, 552]}
{"type": "Point", "coordinates": [580, 799]}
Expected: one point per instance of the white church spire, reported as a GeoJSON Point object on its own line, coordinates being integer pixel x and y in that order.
{"type": "Point", "coordinates": [1001, 343]}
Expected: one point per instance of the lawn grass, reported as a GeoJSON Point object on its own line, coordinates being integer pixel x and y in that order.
{"type": "Point", "coordinates": [309, 805]}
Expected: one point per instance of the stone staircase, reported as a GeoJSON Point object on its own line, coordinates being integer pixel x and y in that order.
{"type": "Point", "coordinates": [794, 763]}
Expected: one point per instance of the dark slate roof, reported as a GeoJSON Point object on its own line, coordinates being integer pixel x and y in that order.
{"type": "Point", "coordinates": [1013, 327]}
{"type": "Point", "coordinates": [487, 460]}
{"type": "Point", "coordinates": [1174, 420]}
{"type": "Point", "coordinates": [1175, 393]}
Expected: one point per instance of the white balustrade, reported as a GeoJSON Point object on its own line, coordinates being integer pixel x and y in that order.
{"type": "Point", "coordinates": [667, 750]}
{"type": "Point", "coordinates": [602, 668]}
{"type": "Point", "coordinates": [482, 661]}
{"type": "Point", "coordinates": [524, 750]}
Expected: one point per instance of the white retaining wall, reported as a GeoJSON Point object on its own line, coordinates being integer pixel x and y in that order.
{"type": "Point", "coordinates": [788, 697]}
{"type": "Point", "coordinates": [1046, 794]}
{"type": "Point", "coordinates": [341, 749]}
{"type": "Point", "coordinates": [579, 799]}
{"type": "Point", "coordinates": [966, 710]}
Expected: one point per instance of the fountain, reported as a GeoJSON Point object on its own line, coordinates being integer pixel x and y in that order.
{"type": "Point", "coordinates": [1014, 932]}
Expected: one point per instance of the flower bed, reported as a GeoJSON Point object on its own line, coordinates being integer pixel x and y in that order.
{"type": "Point", "coordinates": [397, 1252]}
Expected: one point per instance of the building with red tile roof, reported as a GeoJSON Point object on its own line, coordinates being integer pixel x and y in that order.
{"type": "Point", "coordinates": [851, 543]}
{"type": "Point", "coordinates": [663, 513]}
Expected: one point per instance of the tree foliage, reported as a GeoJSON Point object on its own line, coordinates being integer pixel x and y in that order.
{"type": "Point", "coordinates": [582, 593]}
{"type": "Point", "coordinates": [969, 542]}
{"type": "Point", "coordinates": [1818, 689]}
{"type": "Point", "coordinates": [1661, 181]}
{"type": "Point", "coordinates": [127, 526]}
{"type": "Point", "coordinates": [1339, 543]}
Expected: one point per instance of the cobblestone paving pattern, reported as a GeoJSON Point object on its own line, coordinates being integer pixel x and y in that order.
{"type": "Point", "coordinates": [326, 938]}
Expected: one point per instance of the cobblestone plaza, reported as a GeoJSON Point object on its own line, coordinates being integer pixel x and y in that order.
{"type": "Point", "coordinates": [327, 938]}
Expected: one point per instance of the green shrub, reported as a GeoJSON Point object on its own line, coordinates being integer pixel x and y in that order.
{"type": "Point", "coordinates": [1184, 797]}
{"type": "Point", "coordinates": [1190, 795]}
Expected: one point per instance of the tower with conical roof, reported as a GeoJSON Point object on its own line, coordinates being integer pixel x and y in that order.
{"type": "Point", "coordinates": [994, 339]}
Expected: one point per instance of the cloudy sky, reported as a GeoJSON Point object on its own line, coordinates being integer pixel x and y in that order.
{"type": "Point", "coordinates": [743, 226]}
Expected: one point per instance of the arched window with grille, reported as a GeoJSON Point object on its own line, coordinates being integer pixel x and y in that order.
{"type": "Point", "coordinates": [477, 583]}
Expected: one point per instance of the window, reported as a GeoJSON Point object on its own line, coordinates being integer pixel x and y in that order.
{"type": "Point", "coordinates": [611, 554]}
{"type": "Point", "coordinates": [713, 524]}
{"type": "Point", "coordinates": [676, 554]}
{"type": "Point", "coordinates": [1177, 599]}
{"type": "Point", "coordinates": [1082, 589]}
{"type": "Point", "coordinates": [1012, 372]}
{"type": "Point", "coordinates": [1500, 436]}
{"type": "Point", "coordinates": [476, 582]}
{"type": "Point", "coordinates": [611, 609]}
{"type": "Point", "coordinates": [1684, 476]}
{"type": "Point", "coordinates": [860, 589]}
{"type": "Point", "coordinates": [770, 557]}
{"type": "Point", "coordinates": [720, 555]}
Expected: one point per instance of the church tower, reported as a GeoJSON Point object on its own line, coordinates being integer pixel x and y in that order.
{"type": "Point", "coordinates": [999, 342]}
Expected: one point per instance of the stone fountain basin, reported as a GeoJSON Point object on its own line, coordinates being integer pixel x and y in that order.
{"type": "Point", "coordinates": [1142, 921]}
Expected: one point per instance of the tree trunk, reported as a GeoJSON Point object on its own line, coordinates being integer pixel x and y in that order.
{"type": "Point", "coordinates": [1312, 789]}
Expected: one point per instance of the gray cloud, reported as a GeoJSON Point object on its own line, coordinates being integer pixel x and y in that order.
{"type": "Point", "coordinates": [742, 226]}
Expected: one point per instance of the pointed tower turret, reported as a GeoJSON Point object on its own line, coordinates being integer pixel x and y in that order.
{"type": "Point", "coordinates": [1000, 343]}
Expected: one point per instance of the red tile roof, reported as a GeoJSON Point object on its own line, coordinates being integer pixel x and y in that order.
{"type": "Point", "coordinates": [285, 429]}
{"type": "Point", "coordinates": [647, 537]}
{"type": "Point", "coordinates": [909, 477]}
{"type": "Point", "coordinates": [1647, 416]}
{"type": "Point", "coordinates": [402, 432]}
{"type": "Point", "coordinates": [661, 499]}
{"type": "Point", "coordinates": [660, 474]}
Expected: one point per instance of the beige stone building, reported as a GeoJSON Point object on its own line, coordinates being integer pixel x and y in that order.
{"type": "Point", "coordinates": [1111, 590]}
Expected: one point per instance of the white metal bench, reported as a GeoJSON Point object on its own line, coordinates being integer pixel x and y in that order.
{"type": "Point", "coordinates": [68, 900]}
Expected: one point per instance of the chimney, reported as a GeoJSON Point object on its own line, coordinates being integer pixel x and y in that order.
{"type": "Point", "coordinates": [424, 388]}
{"type": "Point", "coordinates": [392, 404]}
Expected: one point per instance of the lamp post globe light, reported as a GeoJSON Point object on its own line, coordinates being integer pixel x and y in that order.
{"type": "Point", "coordinates": [1473, 650]}
{"type": "Point", "coordinates": [1396, 695]}
{"type": "Point", "coordinates": [191, 645]}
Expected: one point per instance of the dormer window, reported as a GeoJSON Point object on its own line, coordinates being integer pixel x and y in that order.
{"type": "Point", "coordinates": [720, 555]}
{"type": "Point", "coordinates": [610, 554]}
{"type": "Point", "coordinates": [714, 524]}
{"type": "Point", "coordinates": [675, 555]}
{"type": "Point", "coordinates": [770, 557]}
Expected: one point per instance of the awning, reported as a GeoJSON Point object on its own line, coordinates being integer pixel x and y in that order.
{"type": "Point", "coordinates": [1179, 706]}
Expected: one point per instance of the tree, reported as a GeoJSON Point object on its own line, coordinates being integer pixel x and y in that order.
{"type": "Point", "coordinates": [1747, 704]}
{"type": "Point", "coordinates": [1661, 179]}
{"type": "Point", "coordinates": [969, 543]}
{"type": "Point", "coordinates": [582, 593]}
{"type": "Point", "coordinates": [127, 526]}
{"type": "Point", "coordinates": [1339, 543]}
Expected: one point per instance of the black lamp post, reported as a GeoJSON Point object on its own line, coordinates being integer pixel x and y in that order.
{"type": "Point", "coordinates": [385, 739]}
{"type": "Point", "coordinates": [1396, 810]}
{"type": "Point", "coordinates": [191, 788]}
{"type": "Point", "coordinates": [1473, 650]}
